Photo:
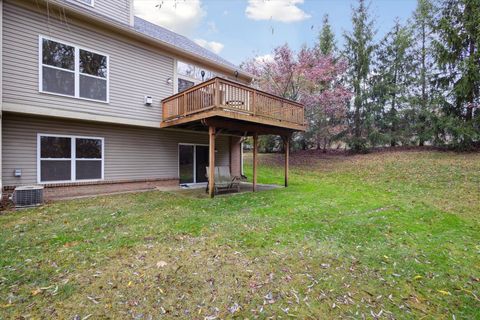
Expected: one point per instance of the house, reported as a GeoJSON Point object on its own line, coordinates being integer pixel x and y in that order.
{"type": "Point", "coordinates": [96, 100]}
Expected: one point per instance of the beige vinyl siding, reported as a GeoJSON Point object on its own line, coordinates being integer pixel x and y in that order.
{"type": "Point", "coordinates": [130, 152]}
{"type": "Point", "coordinates": [134, 71]}
{"type": "Point", "coordinates": [114, 9]}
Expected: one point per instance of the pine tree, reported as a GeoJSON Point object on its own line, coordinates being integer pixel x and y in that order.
{"type": "Point", "coordinates": [458, 55]}
{"type": "Point", "coordinates": [359, 47]}
{"type": "Point", "coordinates": [394, 70]}
{"type": "Point", "coordinates": [425, 92]}
{"type": "Point", "coordinates": [326, 39]}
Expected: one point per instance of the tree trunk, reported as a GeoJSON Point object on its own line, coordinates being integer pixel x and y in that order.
{"type": "Point", "coordinates": [471, 94]}
{"type": "Point", "coordinates": [424, 85]}
{"type": "Point", "coordinates": [393, 111]}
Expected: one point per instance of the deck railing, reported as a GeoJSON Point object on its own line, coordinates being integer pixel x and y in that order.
{"type": "Point", "coordinates": [231, 96]}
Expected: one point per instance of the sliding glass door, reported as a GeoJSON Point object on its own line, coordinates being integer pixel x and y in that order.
{"type": "Point", "coordinates": [193, 160]}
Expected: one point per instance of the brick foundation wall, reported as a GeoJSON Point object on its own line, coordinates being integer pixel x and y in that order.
{"type": "Point", "coordinates": [68, 190]}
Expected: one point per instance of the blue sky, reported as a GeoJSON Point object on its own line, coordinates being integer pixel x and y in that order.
{"type": "Point", "coordinates": [239, 29]}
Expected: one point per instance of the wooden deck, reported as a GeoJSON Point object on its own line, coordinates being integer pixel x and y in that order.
{"type": "Point", "coordinates": [230, 100]}
{"type": "Point", "coordinates": [226, 107]}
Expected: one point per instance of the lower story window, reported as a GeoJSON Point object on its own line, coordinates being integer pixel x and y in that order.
{"type": "Point", "coordinates": [69, 158]}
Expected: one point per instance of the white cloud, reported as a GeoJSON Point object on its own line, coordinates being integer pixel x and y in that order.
{"type": "Point", "coordinates": [264, 58]}
{"type": "Point", "coordinates": [213, 46]}
{"type": "Point", "coordinates": [279, 10]}
{"type": "Point", "coordinates": [181, 16]}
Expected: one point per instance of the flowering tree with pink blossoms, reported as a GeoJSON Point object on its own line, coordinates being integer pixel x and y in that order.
{"type": "Point", "coordinates": [313, 79]}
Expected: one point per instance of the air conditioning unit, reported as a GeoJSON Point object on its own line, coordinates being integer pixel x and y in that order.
{"type": "Point", "coordinates": [28, 196]}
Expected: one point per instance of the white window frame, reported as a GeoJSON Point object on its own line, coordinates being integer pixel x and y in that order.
{"type": "Point", "coordinates": [181, 76]}
{"type": "Point", "coordinates": [76, 70]}
{"type": "Point", "coordinates": [194, 161]}
{"type": "Point", "coordinates": [73, 159]}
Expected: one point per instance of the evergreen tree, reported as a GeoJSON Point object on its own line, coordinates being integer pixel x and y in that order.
{"type": "Point", "coordinates": [458, 55]}
{"type": "Point", "coordinates": [326, 40]}
{"type": "Point", "coordinates": [394, 69]}
{"type": "Point", "coordinates": [359, 47]}
{"type": "Point", "coordinates": [423, 101]}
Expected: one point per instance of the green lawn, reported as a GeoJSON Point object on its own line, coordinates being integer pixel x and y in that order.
{"type": "Point", "coordinates": [385, 235]}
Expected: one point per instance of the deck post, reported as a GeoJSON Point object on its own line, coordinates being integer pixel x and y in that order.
{"type": "Point", "coordinates": [255, 160]}
{"type": "Point", "coordinates": [286, 140]}
{"type": "Point", "coordinates": [211, 162]}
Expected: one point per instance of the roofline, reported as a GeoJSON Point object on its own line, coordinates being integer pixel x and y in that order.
{"type": "Point", "coordinates": [129, 31]}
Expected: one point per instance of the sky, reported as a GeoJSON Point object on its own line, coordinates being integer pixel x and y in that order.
{"type": "Point", "coordinates": [241, 29]}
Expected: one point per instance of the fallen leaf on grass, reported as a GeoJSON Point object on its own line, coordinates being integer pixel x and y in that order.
{"type": "Point", "coordinates": [161, 264]}
{"type": "Point", "coordinates": [234, 308]}
{"type": "Point", "coordinates": [70, 244]}
{"type": "Point", "coordinates": [36, 291]}
{"type": "Point", "coordinates": [93, 300]}
{"type": "Point", "coordinates": [417, 277]}
{"type": "Point", "coordinates": [445, 293]}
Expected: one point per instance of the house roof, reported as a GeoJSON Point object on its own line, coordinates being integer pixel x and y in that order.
{"type": "Point", "coordinates": [178, 40]}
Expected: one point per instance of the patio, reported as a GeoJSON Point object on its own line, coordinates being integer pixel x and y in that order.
{"type": "Point", "coordinates": [199, 190]}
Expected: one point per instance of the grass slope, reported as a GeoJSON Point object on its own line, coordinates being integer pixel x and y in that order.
{"type": "Point", "coordinates": [386, 235]}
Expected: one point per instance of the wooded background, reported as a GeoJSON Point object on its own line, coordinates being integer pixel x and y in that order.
{"type": "Point", "coordinates": [419, 85]}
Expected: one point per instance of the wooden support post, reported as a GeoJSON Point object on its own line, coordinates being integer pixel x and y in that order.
{"type": "Point", "coordinates": [287, 156]}
{"type": "Point", "coordinates": [211, 163]}
{"type": "Point", "coordinates": [255, 160]}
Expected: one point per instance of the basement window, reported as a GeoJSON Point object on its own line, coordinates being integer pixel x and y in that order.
{"type": "Point", "coordinates": [69, 158]}
{"type": "Point", "coordinates": [68, 70]}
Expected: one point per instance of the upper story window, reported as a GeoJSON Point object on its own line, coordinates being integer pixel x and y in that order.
{"type": "Point", "coordinates": [72, 71]}
{"type": "Point", "coordinates": [189, 75]}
